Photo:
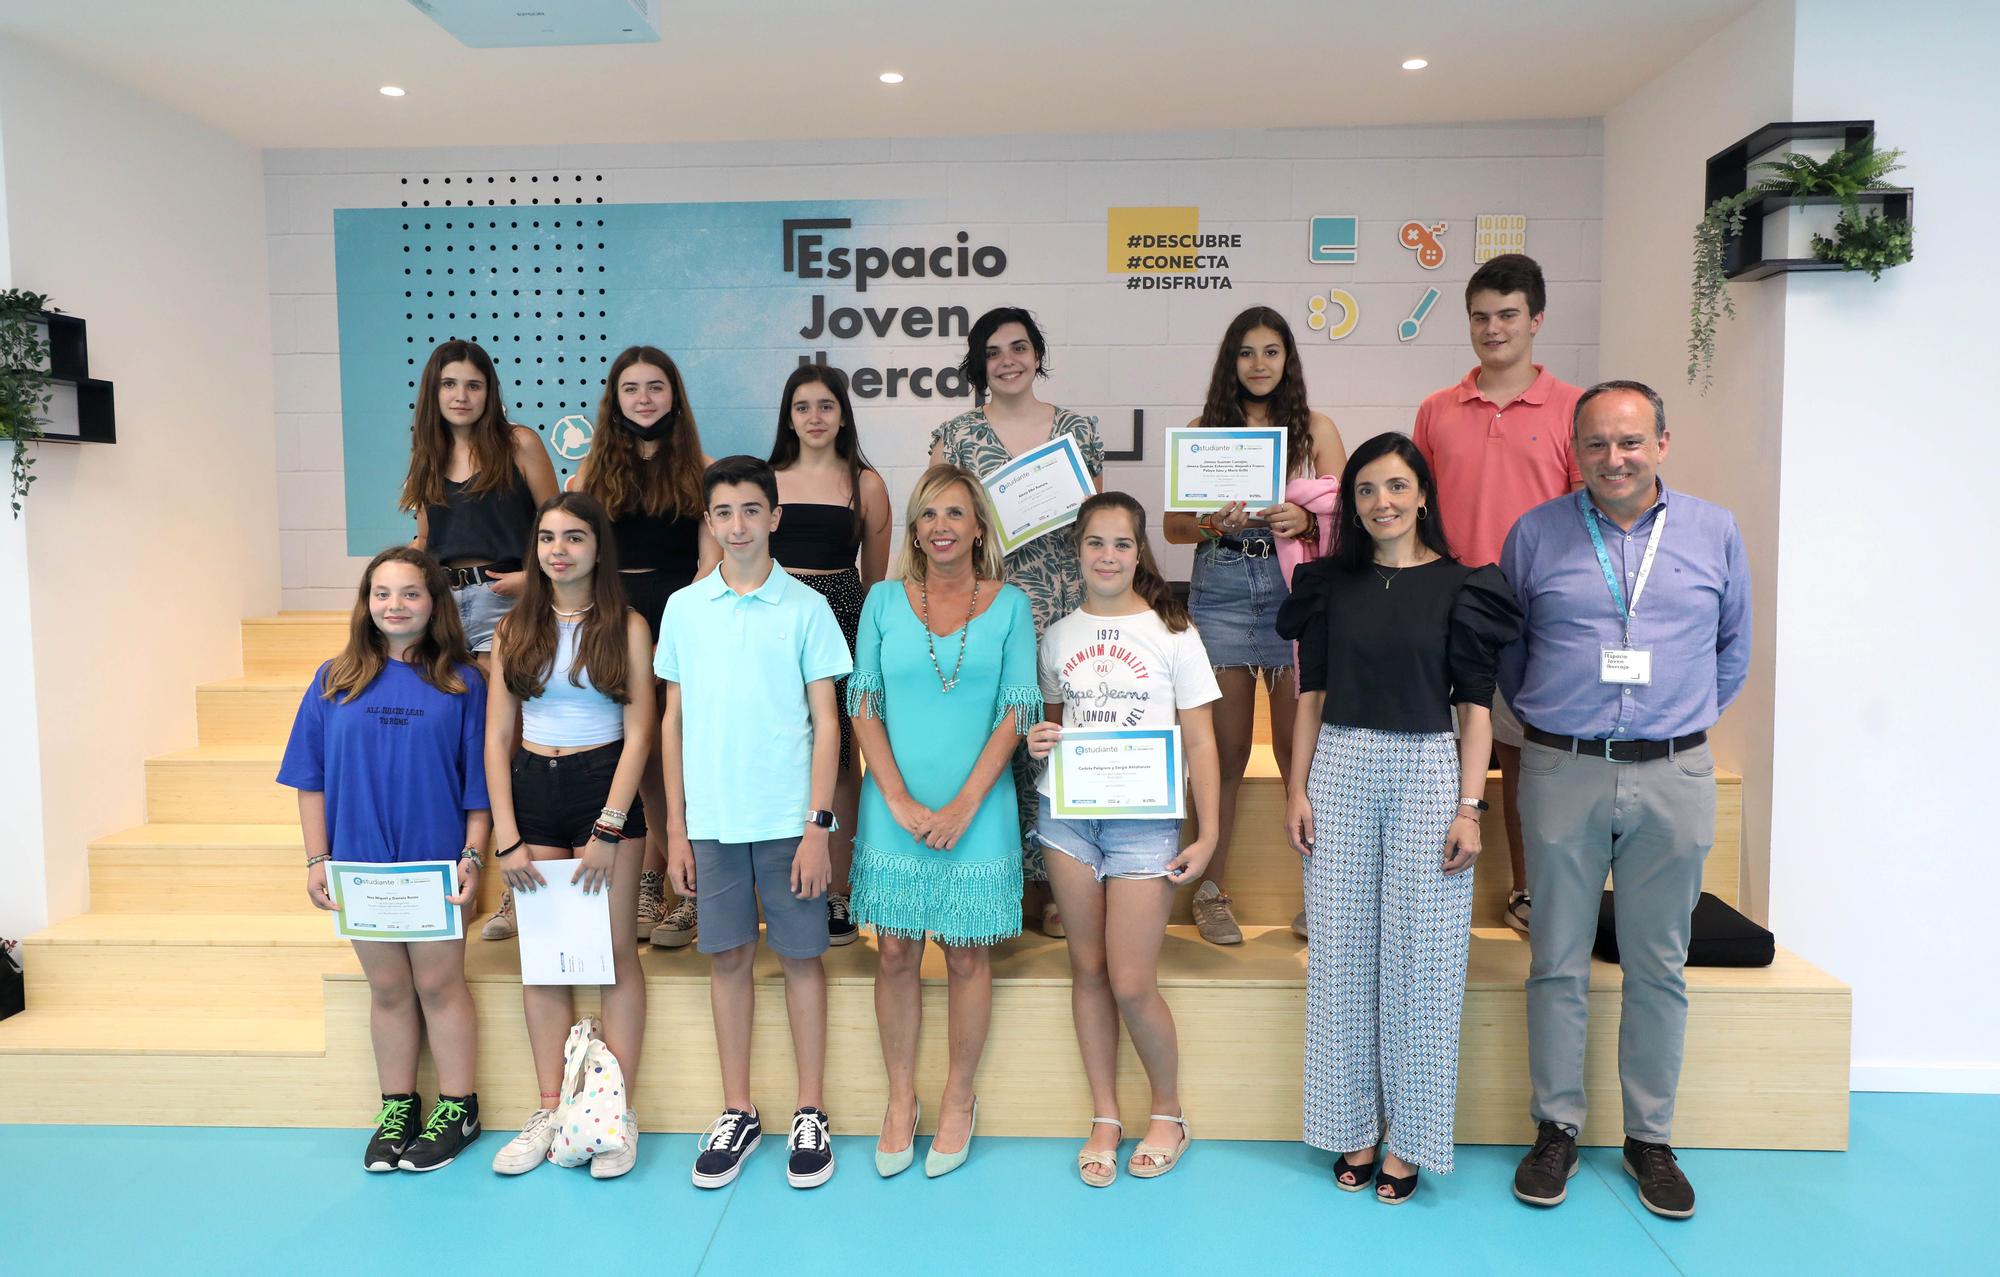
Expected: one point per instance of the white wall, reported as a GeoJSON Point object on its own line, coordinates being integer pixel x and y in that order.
{"type": "Point", "coordinates": [1724, 443]}
{"type": "Point", "coordinates": [1044, 199]}
{"type": "Point", "coordinates": [1883, 863]}
{"type": "Point", "coordinates": [142, 556]}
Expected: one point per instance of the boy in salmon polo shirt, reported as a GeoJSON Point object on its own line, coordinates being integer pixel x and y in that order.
{"type": "Point", "coordinates": [1498, 444]}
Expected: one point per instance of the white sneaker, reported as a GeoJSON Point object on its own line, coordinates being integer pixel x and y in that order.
{"type": "Point", "coordinates": [612, 1165]}
{"type": "Point", "coordinates": [530, 1148]}
{"type": "Point", "coordinates": [501, 925]}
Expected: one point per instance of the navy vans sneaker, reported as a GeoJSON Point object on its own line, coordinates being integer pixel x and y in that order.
{"type": "Point", "coordinates": [811, 1149]}
{"type": "Point", "coordinates": [728, 1140]}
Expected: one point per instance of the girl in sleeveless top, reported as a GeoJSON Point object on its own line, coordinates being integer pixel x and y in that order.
{"type": "Point", "coordinates": [1238, 585]}
{"type": "Point", "coordinates": [474, 483]}
{"type": "Point", "coordinates": [576, 665]}
{"type": "Point", "coordinates": [832, 506]}
{"type": "Point", "coordinates": [644, 468]}
{"type": "Point", "coordinates": [1005, 356]}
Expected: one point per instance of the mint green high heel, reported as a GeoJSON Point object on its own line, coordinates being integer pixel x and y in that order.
{"type": "Point", "coordinates": [890, 1164]}
{"type": "Point", "coordinates": [936, 1163]}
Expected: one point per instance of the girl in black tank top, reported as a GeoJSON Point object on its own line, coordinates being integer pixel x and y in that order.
{"type": "Point", "coordinates": [644, 468]}
{"type": "Point", "coordinates": [834, 510]}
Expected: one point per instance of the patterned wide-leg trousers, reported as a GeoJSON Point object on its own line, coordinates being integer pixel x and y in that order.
{"type": "Point", "coordinates": [1385, 975]}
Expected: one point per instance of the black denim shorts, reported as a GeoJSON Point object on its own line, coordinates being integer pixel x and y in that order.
{"type": "Point", "coordinates": [557, 800]}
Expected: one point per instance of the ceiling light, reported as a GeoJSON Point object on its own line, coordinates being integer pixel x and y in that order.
{"type": "Point", "coordinates": [1415, 64]}
{"type": "Point", "coordinates": [891, 77]}
{"type": "Point", "coordinates": [391, 91]}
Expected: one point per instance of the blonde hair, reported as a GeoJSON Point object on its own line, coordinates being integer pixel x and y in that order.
{"type": "Point", "coordinates": [987, 559]}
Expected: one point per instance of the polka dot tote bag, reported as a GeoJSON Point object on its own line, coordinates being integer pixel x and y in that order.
{"type": "Point", "coordinates": [590, 1119]}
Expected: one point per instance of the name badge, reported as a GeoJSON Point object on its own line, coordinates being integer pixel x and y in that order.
{"type": "Point", "coordinates": [1625, 665]}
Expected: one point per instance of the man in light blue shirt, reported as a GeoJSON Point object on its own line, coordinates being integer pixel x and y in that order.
{"type": "Point", "coordinates": [750, 743]}
{"type": "Point", "coordinates": [1638, 636]}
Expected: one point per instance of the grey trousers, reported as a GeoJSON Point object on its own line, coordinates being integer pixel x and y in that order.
{"type": "Point", "coordinates": [1651, 823]}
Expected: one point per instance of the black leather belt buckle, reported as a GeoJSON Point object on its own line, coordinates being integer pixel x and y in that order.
{"type": "Point", "coordinates": [1630, 751]}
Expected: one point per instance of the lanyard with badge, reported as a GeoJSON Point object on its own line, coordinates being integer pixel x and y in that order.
{"type": "Point", "coordinates": [1623, 664]}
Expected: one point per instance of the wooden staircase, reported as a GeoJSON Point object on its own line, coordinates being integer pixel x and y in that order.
{"type": "Point", "coordinates": [202, 989]}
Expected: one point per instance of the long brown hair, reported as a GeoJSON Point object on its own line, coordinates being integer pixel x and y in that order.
{"type": "Point", "coordinates": [846, 440]}
{"type": "Point", "coordinates": [989, 562]}
{"type": "Point", "coordinates": [430, 434]}
{"type": "Point", "coordinates": [1288, 402]}
{"type": "Point", "coordinates": [614, 472]}
{"type": "Point", "coordinates": [438, 656]}
{"type": "Point", "coordinates": [528, 632]}
{"type": "Point", "coordinates": [1147, 582]}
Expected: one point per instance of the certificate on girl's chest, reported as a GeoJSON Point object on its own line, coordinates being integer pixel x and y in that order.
{"type": "Point", "coordinates": [1209, 467]}
{"type": "Point", "coordinates": [406, 902]}
{"type": "Point", "coordinates": [1118, 774]}
{"type": "Point", "coordinates": [1039, 491]}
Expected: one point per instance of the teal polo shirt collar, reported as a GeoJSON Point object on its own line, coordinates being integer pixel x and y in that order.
{"type": "Point", "coordinates": [771, 591]}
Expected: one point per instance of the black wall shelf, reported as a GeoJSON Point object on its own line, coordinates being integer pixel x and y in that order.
{"type": "Point", "coordinates": [69, 370]}
{"type": "Point", "coordinates": [1728, 173]}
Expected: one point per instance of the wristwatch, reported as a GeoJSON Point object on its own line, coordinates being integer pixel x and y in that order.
{"type": "Point", "coordinates": [1476, 804]}
{"type": "Point", "coordinates": [824, 819]}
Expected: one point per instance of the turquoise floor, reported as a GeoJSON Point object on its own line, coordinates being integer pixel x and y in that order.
{"type": "Point", "coordinates": [129, 1199]}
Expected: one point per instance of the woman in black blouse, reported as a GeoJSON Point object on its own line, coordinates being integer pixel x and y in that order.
{"type": "Point", "coordinates": [1393, 632]}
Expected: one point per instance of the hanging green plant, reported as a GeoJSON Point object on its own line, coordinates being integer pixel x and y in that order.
{"type": "Point", "coordinates": [1868, 242]}
{"type": "Point", "coordinates": [24, 385]}
{"type": "Point", "coordinates": [1846, 175]}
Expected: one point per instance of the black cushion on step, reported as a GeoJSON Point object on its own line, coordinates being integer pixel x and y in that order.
{"type": "Point", "coordinates": [1721, 937]}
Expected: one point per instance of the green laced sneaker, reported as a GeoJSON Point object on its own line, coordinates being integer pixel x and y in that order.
{"type": "Point", "coordinates": [453, 1125]}
{"type": "Point", "coordinates": [392, 1131]}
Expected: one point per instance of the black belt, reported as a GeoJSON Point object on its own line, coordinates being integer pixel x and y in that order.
{"type": "Point", "coordinates": [1617, 751]}
{"type": "Point", "coordinates": [459, 578]}
{"type": "Point", "coordinates": [1260, 548]}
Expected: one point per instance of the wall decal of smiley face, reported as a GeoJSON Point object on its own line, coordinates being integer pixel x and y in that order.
{"type": "Point", "coordinates": [1424, 242]}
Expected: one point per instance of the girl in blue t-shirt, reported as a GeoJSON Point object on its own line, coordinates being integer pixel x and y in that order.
{"type": "Point", "coordinates": [386, 753]}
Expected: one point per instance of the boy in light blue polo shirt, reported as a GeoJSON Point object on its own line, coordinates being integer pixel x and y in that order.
{"type": "Point", "coordinates": [750, 742]}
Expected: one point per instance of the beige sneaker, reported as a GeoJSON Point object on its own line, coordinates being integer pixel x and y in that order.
{"type": "Point", "coordinates": [612, 1165]}
{"type": "Point", "coordinates": [501, 925]}
{"type": "Point", "coordinates": [676, 930]}
{"type": "Point", "coordinates": [1212, 917]}
{"type": "Point", "coordinates": [1299, 926]}
{"type": "Point", "coordinates": [652, 906]}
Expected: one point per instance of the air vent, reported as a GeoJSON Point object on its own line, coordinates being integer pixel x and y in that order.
{"type": "Point", "coordinates": [510, 24]}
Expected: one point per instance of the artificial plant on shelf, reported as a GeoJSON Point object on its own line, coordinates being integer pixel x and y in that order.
{"type": "Point", "coordinates": [24, 383]}
{"type": "Point", "coordinates": [1868, 243]}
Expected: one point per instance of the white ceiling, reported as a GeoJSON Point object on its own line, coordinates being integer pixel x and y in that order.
{"type": "Point", "coordinates": [295, 73]}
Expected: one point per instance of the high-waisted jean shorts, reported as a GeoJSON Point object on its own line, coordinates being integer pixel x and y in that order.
{"type": "Point", "coordinates": [1234, 597]}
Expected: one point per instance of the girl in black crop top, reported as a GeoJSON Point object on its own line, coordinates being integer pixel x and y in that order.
{"type": "Point", "coordinates": [644, 468]}
{"type": "Point", "coordinates": [474, 482]}
{"type": "Point", "coordinates": [1393, 633]}
{"type": "Point", "coordinates": [834, 510]}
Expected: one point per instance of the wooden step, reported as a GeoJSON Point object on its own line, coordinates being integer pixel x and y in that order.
{"type": "Point", "coordinates": [1766, 1063]}
{"type": "Point", "coordinates": [218, 966]}
{"type": "Point", "coordinates": [292, 643]}
{"type": "Point", "coordinates": [194, 868]}
{"type": "Point", "coordinates": [219, 784]}
{"type": "Point", "coordinates": [253, 710]}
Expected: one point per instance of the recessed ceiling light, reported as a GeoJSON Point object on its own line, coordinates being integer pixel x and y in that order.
{"type": "Point", "coordinates": [891, 77]}
{"type": "Point", "coordinates": [391, 91]}
{"type": "Point", "coordinates": [1415, 64]}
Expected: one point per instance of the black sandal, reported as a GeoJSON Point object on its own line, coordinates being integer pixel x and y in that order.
{"type": "Point", "coordinates": [1362, 1174]}
{"type": "Point", "coordinates": [1400, 1189]}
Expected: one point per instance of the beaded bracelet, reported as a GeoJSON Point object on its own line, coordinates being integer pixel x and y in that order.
{"type": "Point", "coordinates": [317, 860]}
{"type": "Point", "coordinates": [612, 816]}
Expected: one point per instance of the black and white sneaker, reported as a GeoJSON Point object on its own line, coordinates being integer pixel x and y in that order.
{"type": "Point", "coordinates": [840, 928]}
{"type": "Point", "coordinates": [811, 1149]}
{"type": "Point", "coordinates": [453, 1125]}
{"type": "Point", "coordinates": [395, 1129]}
{"type": "Point", "coordinates": [728, 1140]}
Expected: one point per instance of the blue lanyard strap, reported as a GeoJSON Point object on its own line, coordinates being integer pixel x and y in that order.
{"type": "Point", "coordinates": [1604, 560]}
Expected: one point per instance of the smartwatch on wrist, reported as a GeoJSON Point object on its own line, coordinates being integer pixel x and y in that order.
{"type": "Point", "coordinates": [824, 819]}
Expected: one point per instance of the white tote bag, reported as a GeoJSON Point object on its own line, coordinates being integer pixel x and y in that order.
{"type": "Point", "coordinates": [590, 1118]}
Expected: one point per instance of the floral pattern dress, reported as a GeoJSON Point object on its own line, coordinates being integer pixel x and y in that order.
{"type": "Point", "coordinates": [1045, 569]}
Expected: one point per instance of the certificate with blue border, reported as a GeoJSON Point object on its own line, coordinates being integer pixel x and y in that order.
{"type": "Point", "coordinates": [1039, 491]}
{"type": "Point", "coordinates": [1209, 467]}
{"type": "Point", "coordinates": [395, 901]}
{"type": "Point", "coordinates": [1113, 773]}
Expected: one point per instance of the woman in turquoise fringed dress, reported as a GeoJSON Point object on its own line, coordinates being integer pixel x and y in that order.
{"type": "Point", "coordinates": [944, 686]}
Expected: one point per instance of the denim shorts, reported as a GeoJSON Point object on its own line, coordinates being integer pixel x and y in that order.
{"type": "Point", "coordinates": [1234, 600]}
{"type": "Point", "coordinates": [557, 800]}
{"type": "Point", "coordinates": [1112, 848]}
{"type": "Point", "coordinates": [479, 610]}
{"type": "Point", "coordinates": [732, 878]}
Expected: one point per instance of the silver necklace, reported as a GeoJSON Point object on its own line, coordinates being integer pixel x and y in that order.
{"type": "Point", "coordinates": [570, 616]}
{"type": "Point", "coordinates": [930, 636]}
{"type": "Point", "coordinates": [1386, 579]}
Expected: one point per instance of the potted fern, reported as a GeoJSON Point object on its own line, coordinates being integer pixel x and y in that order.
{"type": "Point", "coordinates": [24, 383]}
{"type": "Point", "coordinates": [1819, 224]}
